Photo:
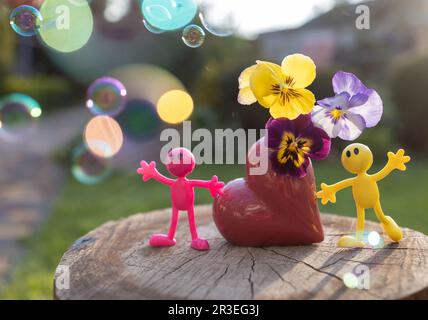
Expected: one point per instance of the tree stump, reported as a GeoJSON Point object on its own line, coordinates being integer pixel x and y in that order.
{"type": "Point", "coordinates": [114, 261]}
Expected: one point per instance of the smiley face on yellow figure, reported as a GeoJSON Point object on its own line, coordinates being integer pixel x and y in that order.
{"type": "Point", "coordinates": [358, 159]}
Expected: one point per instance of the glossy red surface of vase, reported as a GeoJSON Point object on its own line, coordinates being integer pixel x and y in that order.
{"type": "Point", "coordinates": [268, 209]}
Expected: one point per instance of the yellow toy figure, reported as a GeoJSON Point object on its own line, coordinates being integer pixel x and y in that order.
{"type": "Point", "coordinates": [357, 158]}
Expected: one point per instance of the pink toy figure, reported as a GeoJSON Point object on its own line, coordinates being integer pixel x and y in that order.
{"type": "Point", "coordinates": [180, 162]}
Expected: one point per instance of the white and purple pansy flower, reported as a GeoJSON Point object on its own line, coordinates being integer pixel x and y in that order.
{"type": "Point", "coordinates": [353, 108]}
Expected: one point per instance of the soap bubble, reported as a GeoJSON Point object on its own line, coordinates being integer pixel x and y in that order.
{"type": "Point", "coordinates": [139, 120]}
{"type": "Point", "coordinates": [106, 96]}
{"type": "Point", "coordinates": [175, 106]}
{"type": "Point", "coordinates": [218, 18]}
{"type": "Point", "coordinates": [193, 36]}
{"type": "Point", "coordinates": [88, 168]}
{"type": "Point", "coordinates": [25, 20]}
{"type": "Point", "coordinates": [151, 28]}
{"type": "Point", "coordinates": [350, 280]}
{"type": "Point", "coordinates": [146, 82]}
{"type": "Point", "coordinates": [169, 14]}
{"type": "Point", "coordinates": [19, 115]}
{"type": "Point", "coordinates": [67, 25]}
{"type": "Point", "coordinates": [103, 136]}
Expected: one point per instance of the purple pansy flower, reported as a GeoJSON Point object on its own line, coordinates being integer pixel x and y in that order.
{"type": "Point", "coordinates": [350, 111]}
{"type": "Point", "coordinates": [294, 142]}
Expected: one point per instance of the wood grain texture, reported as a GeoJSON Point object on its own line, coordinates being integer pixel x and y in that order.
{"type": "Point", "coordinates": [114, 261]}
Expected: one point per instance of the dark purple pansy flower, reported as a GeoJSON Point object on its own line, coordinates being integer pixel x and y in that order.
{"type": "Point", "coordinates": [295, 142]}
{"type": "Point", "coordinates": [350, 111]}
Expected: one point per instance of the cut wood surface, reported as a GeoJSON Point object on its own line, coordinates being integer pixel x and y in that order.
{"type": "Point", "coordinates": [114, 261]}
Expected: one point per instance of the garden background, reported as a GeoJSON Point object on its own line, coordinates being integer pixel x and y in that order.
{"type": "Point", "coordinates": [44, 208]}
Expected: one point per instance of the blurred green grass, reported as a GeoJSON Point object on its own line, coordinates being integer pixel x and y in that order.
{"type": "Point", "coordinates": [82, 208]}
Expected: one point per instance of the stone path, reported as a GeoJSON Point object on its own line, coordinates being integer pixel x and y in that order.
{"type": "Point", "coordinates": [30, 180]}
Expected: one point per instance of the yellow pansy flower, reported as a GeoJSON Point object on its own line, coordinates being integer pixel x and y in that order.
{"type": "Point", "coordinates": [281, 89]}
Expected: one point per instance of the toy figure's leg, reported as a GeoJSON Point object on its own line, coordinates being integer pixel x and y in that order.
{"type": "Point", "coordinates": [162, 240]}
{"type": "Point", "coordinates": [174, 222]}
{"type": "Point", "coordinates": [355, 242]}
{"type": "Point", "coordinates": [361, 215]}
{"type": "Point", "coordinates": [197, 243]}
{"type": "Point", "coordinates": [389, 225]}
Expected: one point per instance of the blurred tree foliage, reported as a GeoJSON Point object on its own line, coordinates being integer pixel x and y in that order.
{"type": "Point", "coordinates": [408, 87]}
{"type": "Point", "coordinates": [7, 38]}
{"type": "Point", "coordinates": [37, 78]}
{"type": "Point", "coordinates": [216, 83]}
{"type": "Point", "coordinates": [49, 90]}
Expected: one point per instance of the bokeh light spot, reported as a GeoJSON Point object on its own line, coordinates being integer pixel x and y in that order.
{"type": "Point", "coordinates": [88, 168]}
{"type": "Point", "coordinates": [169, 14]}
{"type": "Point", "coordinates": [373, 238]}
{"type": "Point", "coordinates": [106, 96]}
{"type": "Point", "coordinates": [193, 36]}
{"type": "Point", "coordinates": [350, 280]}
{"type": "Point", "coordinates": [175, 106]}
{"type": "Point", "coordinates": [66, 26]}
{"type": "Point", "coordinates": [25, 20]}
{"type": "Point", "coordinates": [36, 112]}
{"type": "Point", "coordinates": [139, 121]}
{"type": "Point", "coordinates": [103, 136]}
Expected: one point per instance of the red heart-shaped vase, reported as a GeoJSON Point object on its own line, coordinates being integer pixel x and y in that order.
{"type": "Point", "coordinates": [268, 209]}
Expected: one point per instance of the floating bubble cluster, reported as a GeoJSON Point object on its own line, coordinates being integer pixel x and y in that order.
{"type": "Point", "coordinates": [103, 136]}
{"type": "Point", "coordinates": [175, 106]}
{"type": "Point", "coordinates": [106, 96]}
{"type": "Point", "coordinates": [67, 25]}
{"type": "Point", "coordinates": [122, 112]}
{"type": "Point", "coordinates": [193, 36]}
{"type": "Point", "coordinates": [217, 17]}
{"type": "Point", "coordinates": [139, 120]}
{"type": "Point", "coordinates": [18, 116]}
{"type": "Point", "coordinates": [25, 20]}
{"type": "Point", "coordinates": [169, 15]}
{"type": "Point", "coordinates": [88, 168]}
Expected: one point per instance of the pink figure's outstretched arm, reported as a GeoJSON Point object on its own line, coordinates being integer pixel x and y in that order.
{"type": "Point", "coordinates": [213, 185]}
{"type": "Point", "coordinates": [148, 171]}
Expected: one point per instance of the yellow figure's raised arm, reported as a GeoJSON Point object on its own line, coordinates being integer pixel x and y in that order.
{"type": "Point", "coordinates": [395, 161]}
{"type": "Point", "coordinates": [328, 193]}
